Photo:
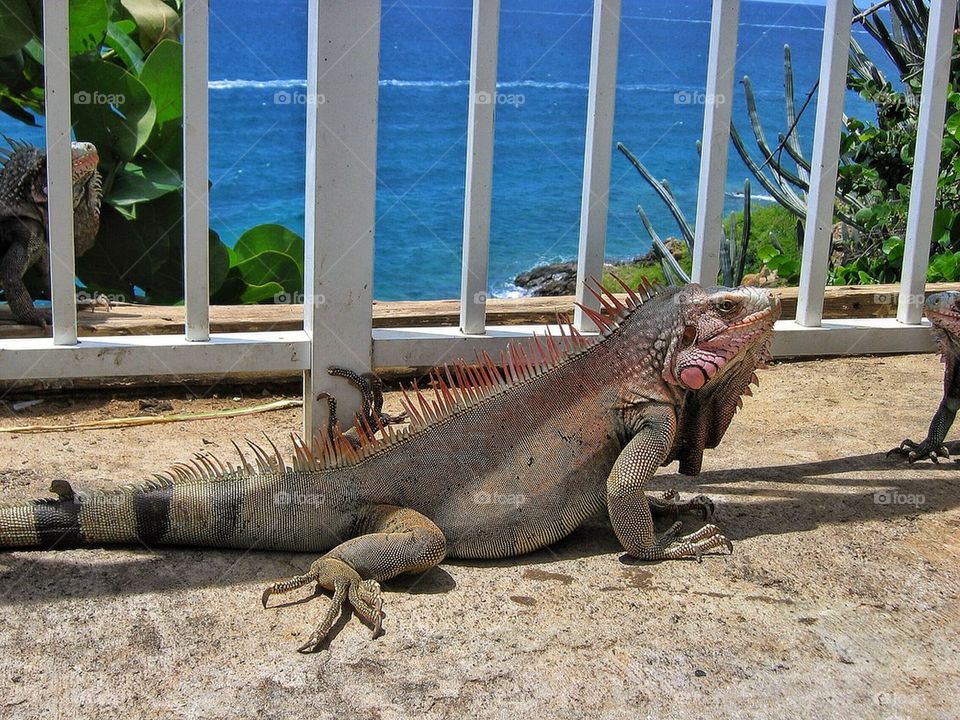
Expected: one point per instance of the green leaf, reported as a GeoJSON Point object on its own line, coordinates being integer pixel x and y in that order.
{"type": "Point", "coordinates": [267, 237]}
{"type": "Point", "coordinates": [162, 75]}
{"type": "Point", "coordinates": [135, 183]}
{"type": "Point", "coordinates": [88, 25]}
{"type": "Point", "coordinates": [16, 26]}
{"type": "Point", "coordinates": [155, 20]}
{"type": "Point", "coordinates": [271, 269]}
{"type": "Point", "coordinates": [146, 252]}
{"type": "Point", "coordinates": [120, 41]}
{"type": "Point", "coordinates": [952, 125]}
{"type": "Point", "coordinates": [111, 109]}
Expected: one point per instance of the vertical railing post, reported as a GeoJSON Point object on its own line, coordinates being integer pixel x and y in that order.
{"type": "Point", "coordinates": [594, 199]}
{"type": "Point", "coordinates": [825, 161]}
{"type": "Point", "coordinates": [196, 243]}
{"type": "Point", "coordinates": [343, 57]}
{"type": "Point", "coordinates": [56, 71]}
{"type": "Point", "coordinates": [718, 103]}
{"type": "Point", "coordinates": [926, 166]}
{"type": "Point", "coordinates": [479, 180]}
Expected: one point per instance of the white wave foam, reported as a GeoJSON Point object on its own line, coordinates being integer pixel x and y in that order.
{"type": "Point", "coordinates": [294, 83]}
{"type": "Point", "coordinates": [232, 84]}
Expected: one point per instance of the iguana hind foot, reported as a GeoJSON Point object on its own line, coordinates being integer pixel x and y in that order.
{"type": "Point", "coordinates": [393, 541]}
{"type": "Point", "coordinates": [346, 584]}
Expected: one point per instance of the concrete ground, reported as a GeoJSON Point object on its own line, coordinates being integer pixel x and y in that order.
{"type": "Point", "coordinates": [840, 599]}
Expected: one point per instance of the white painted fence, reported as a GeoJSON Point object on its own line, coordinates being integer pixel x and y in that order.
{"type": "Point", "coordinates": [343, 64]}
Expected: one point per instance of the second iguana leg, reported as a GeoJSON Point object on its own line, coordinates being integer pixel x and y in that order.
{"type": "Point", "coordinates": [371, 391]}
{"type": "Point", "coordinates": [392, 541]}
{"type": "Point", "coordinates": [671, 504]}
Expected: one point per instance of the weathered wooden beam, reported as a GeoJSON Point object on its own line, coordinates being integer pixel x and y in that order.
{"type": "Point", "coordinates": [850, 301]}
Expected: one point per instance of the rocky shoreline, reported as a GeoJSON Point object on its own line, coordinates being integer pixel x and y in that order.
{"type": "Point", "coordinates": [553, 279]}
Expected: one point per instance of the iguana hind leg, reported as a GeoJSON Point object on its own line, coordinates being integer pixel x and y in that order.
{"type": "Point", "coordinates": [392, 541]}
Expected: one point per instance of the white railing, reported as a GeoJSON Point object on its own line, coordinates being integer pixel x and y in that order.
{"type": "Point", "coordinates": [343, 58]}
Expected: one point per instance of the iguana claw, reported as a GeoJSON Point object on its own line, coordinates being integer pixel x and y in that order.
{"type": "Point", "coordinates": [920, 451]}
{"type": "Point", "coordinates": [696, 544]}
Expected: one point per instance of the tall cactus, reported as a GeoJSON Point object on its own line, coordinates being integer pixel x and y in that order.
{"type": "Point", "coordinates": [735, 241]}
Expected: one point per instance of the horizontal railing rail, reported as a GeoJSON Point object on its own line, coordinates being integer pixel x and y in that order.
{"type": "Point", "coordinates": [343, 60]}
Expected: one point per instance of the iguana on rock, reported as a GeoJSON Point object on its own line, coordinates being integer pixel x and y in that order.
{"type": "Point", "coordinates": [502, 458]}
{"type": "Point", "coordinates": [943, 311]}
{"type": "Point", "coordinates": [23, 218]}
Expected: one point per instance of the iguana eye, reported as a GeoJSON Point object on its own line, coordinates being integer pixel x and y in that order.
{"type": "Point", "coordinates": [726, 306]}
{"type": "Point", "coordinates": [689, 335]}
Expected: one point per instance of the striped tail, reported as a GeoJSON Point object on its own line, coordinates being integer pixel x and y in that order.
{"type": "Point", "coordinates": [74, 519]}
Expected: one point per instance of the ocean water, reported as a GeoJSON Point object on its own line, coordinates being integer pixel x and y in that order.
{"type": "Point", "coordinates": [257, 124]}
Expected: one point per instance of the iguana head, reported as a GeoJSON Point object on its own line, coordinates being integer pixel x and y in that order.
{"type": "Point", "coordinates": [719, 337]}
{"type": "Point", "coordinates": [23, 185]}
{"type": "Point", "coordinates": [943, 310]}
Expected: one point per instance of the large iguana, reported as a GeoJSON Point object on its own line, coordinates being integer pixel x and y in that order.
{"type": "Point", "coordinates": [943, 311]}
{"type": "Point", "coordinates": [23, 218]}
{"type": "Point", "coordinates": [502, 459]}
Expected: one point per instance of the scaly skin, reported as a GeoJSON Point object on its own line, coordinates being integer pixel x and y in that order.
{"type": "Point", "coordinates": [23, 218]}
{"type": "Point", "coordinates": [943, 311]}
{"type": "Point", "coordinates": [497, 464]}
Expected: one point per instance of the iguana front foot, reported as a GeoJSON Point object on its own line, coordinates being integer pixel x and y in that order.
{"type": "Point", "coordinates": [346, 584]}
{"type": "Point", "coordinates": [670, 547]}
{"type": "Point", "coordinates": [90, 303]}
{"type": "Point", "coordinates": [670, 504]}
{"type": "Point", "coordinates": [921, 451]}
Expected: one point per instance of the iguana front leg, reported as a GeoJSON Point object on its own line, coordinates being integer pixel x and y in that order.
{"type": "Point", "coordinates": [392, 541]}
{"type": "Point", "coordinates": [628, 507]}
{"type": "Point", "coordinates": [13, 264]}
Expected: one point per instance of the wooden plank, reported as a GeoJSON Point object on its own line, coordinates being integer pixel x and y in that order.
{"type": "Point", "coordinates": [850, 301]}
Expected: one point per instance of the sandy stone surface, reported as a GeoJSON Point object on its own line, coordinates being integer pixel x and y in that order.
{"type": "Point", "coordinates": [837, 602]}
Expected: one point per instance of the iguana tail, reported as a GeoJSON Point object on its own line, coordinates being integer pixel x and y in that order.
{"type": "Point", "coordinates": [72, 519]}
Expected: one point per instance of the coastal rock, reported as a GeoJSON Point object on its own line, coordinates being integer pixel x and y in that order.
{"type": "Point", "coordinates": [549, 280]}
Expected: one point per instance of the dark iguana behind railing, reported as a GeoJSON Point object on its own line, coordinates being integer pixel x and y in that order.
{"type": "Point", "coordinates": [24, 241]}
